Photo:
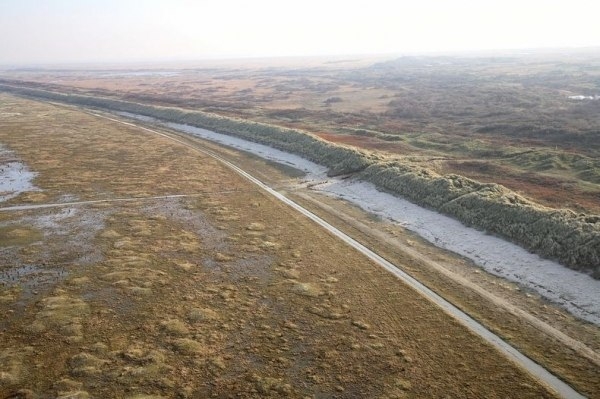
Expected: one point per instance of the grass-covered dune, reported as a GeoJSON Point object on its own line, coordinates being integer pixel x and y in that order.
{"type": "Point", "coordinates": [572, 239]}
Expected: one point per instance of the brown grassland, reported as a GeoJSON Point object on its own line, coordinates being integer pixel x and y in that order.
{"type": "Point", "coordinates": [223, 293]}
{"type": "Point", "coordinates": [506, 119]}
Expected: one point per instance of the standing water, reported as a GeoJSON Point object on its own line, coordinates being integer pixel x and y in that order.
{"type": "Point", "coordinates": [15, 177]}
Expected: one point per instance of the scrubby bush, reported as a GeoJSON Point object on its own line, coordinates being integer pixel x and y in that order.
{"type": "Point", "coordinates": [572, 239]}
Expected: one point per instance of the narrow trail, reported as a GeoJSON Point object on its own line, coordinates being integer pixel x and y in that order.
{"type": "Point", "coordinates": [91, 202]}
{"type": "Point", "coordinates": [537, 371]}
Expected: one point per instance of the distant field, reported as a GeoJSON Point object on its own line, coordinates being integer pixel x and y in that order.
{"type": "Point", "coordinates": [513, 120]}
{"type": "Point", "coordinates": [225, 292]}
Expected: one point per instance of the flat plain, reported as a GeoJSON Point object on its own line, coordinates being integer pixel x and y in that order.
{"type": "Point", "coordinates": [223, 292]}
{"type": "Point", "coordinates": [527, 121]}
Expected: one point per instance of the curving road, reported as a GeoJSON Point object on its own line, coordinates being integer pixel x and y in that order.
{"type": "Point", "coordinates": [537, 371]}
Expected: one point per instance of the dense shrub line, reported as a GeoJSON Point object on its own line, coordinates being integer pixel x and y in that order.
{"type": "Point", "coordinates": [339, 159]}
{"type": "Point", "coordinates": [572, 239]}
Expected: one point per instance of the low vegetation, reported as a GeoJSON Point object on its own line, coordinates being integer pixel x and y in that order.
{"type": "Point", "coordinates": [219, 294]}
{"type": "Point", "coordinates": [572, 239]}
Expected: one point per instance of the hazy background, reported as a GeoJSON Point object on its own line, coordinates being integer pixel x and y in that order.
{"type": "Point", "coordinates": [66, 31]}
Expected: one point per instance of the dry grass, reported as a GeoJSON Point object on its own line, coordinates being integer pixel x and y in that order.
{"type": "Point", "coordinates": [62, 315]}
{"type": "Point", "coordinates": [456, 282]}
{"type": "Point", "coordinates": [306, 317]}
{"type": "Point", "coordinates": [18, 235]}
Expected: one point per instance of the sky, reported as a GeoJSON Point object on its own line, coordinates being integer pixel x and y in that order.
{"type": "Point", "coordinates": [73, 31]}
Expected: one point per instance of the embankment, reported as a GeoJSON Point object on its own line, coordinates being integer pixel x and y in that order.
{"type": "Point", "coordinates": [572, 239]}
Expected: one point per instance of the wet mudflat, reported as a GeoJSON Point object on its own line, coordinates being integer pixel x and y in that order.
{"type": "Point", "coordinates": [15, 177]}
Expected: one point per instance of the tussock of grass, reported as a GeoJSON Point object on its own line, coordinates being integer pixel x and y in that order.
{"type": "Point", "coordinates": [202, 314]}
{"type": "Point", "coordinates": [185, 265]}
{"type": "Point", "coordinates": [174, 327]}
{"type": "Point", "coordinates": [12, 361]}
{"type": "Point", "coordinates": [79, 281]}
{"type": "Point", "coordinates": [99, 347]}
{"type": "Point", "coordinates": [270, 385]}
{"type": "Point", "coordinates": [403, 385]}
{"type": "Point", "coordinates": [109, 233]}
{"type": "Point", "coordinates": [217, 364]}
{"type": "Point", "coordinates": [269, 245]}
{"type": "Point", "coordinates": [256, 226]}
{"type": "Point", "coordinates": [219, 257]}
{"type": "Point", "coordinates": [69, 389]}
{"type": "Point", "coordinates": [326, 313]}
{"type": "Point", "coordinates": [292, 274]}
{"type": "Point", "coordinates": [188, 346]}
{"type": "Point", "coordinates": [306, 289]}
{"type": "Point", "coordinates": [360, 324]}
{"type": "Point", "coordinates": [85, 364]}
{"type": "Point", "coordinates": [34, 197]}
{"type": "Point", "coordinates": [10, 295]}
{"type": "Point", "coordinates": [61, 314]}
{"type": "Point", "coordinates": [141, 364]}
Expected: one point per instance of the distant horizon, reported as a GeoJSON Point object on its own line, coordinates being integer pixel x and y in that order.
{"type": "Point", "coordinates": [67, 32]}
{"type": "Point", "coordinates": [177, 63]}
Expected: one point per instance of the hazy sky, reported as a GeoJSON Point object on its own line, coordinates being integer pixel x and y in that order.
{"type": "Point", "coordinates": [61, 31]}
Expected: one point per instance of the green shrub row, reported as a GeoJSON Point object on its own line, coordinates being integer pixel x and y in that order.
{"type": "Point", "coordinates": [572, 239]}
